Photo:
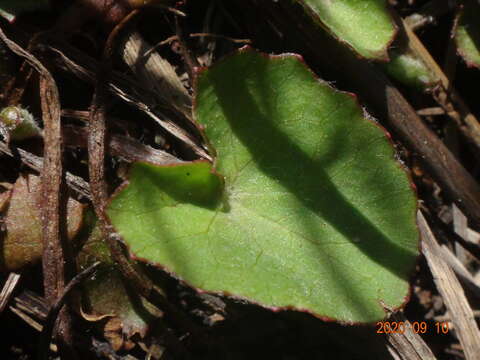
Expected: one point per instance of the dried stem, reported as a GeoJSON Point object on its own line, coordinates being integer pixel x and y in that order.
{"type": "Point", "coordinates": [56, 261]}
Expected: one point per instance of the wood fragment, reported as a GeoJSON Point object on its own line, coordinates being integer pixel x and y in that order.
{"type": "Point", "coordinates": [452, 293]}
{"type": "Point", "coordinates": [460, 224]}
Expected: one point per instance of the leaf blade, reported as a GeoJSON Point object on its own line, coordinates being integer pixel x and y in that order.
{"type": "Point", "coordinates": [293, 226]}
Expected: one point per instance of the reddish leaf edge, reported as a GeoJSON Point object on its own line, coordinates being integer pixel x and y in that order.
{"type": "Point", "coordinates": [276, 309]}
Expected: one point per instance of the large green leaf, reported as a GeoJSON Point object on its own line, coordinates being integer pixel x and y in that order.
{"type": "Point", "coordinates": [365, 25]}
{"type": "Point", "coordinates": [310, 212]}
{"type": "Point", "coordinates": [467, 33]}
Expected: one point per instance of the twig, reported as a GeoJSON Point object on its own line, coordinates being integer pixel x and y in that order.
{"type": "Point", "coordinates": [32, 304]}
{"type": "Point", "coordinates": [96, 148]}
{"type": "Point", "coordinates": [219, 36]}
{"type": "Point", "coordinates": [56, 261]}
{"type": "Point", "coordinates": [160, 44]}
{"type": "Point", "coordinates": [96, 157]}
{"type": "Point", "coordinates": [451, 291]}
{"type": "Point", "coordinates": [49, 324]}
{"type": "Point", "coordinates": [190, 60]}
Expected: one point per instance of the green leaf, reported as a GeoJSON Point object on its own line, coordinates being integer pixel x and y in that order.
{"type": "Point", "coordinates": [409, 69]}
{"type": "Point", "coordinates": [467, 34]}
{"type": "Point", "coordinates": [365, 25]}
{"type": "Point", "coordinates": [310, 212]}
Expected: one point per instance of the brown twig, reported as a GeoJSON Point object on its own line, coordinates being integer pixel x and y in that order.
{"type": "Point", "coordinates": [56, 307]}
{"type": "Point", "coordinates": [55, 260]}
{"type": "Point", "coordinates": [96, 148]}
{"type": "Point", "coordinates": [219, 36]}
{"type": "Point", "coordinates": [190, 60]}
{"type": "Point", "coordinates": [96, 158]}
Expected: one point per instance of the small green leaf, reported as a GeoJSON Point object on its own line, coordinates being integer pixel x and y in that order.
{"type": "Point", "coordinates": [365, 25]}
{"type": "Point", "coordinates": [310, 212]}
{"type": "Point", "coordinates": [409, 69]}
{"type": "Point", "coordinates": [467, 34]}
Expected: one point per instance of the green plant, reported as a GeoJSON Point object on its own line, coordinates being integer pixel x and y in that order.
{"type": "Point", "coordinates": [296, 211]}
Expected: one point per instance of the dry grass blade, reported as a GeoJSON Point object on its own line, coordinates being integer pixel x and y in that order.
{"type": "Point", "coordinates": [8, 288]}
{"type": "Point", "coordinates": [407, 345]}
{"type": "Point", "coordinates": [126, 148]}
{"type": "Point", "coordinates": [84, 67]}
{"type": "Point", "coordinates": [460, 270]}
{"type": "Point", "coordinates": [75, 183]}
{"type": "Point", "coordinates": [452, 293]}
{"type": "Point", "coordinates": [156, 73]}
